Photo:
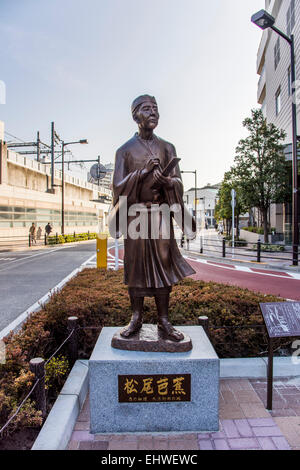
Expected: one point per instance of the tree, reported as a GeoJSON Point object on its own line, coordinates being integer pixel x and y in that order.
{"type": "Point", "coordinates": [260, 167]}
{"type": "Point", "coordinates": [223, 208]}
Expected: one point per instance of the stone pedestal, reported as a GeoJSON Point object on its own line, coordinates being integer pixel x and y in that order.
{"type": "Point", "coordinates": [115, 374]}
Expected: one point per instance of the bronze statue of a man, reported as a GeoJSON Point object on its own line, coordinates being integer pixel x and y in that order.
{"type": "Point", "coordinates": [151, 264]}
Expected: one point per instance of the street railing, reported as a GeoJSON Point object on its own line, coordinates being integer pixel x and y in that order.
{"type": "Point", "coordinates": [254, 251]}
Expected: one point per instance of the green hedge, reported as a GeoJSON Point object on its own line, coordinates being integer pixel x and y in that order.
{"type": "Point", "coordinates": [53, 240]}
{"type": "Point", "coordinates": [258, 230]}
{"type": "Point", "coordinates": [99, 298]}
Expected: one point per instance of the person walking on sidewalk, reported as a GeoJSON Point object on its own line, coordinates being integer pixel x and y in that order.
{"type": "Point", "coordinates": [48, 229]}
{"type": "Point", "coordinates": [32, 233]}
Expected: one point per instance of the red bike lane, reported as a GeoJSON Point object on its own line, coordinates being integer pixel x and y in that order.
{"type": "Point", "coordinates": [267, 282]}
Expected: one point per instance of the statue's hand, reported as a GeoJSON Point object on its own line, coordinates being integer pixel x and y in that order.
{"type": "Point", "coordinates": [150, 165]}
{"type": "Point", "coordinates": [166, 181]}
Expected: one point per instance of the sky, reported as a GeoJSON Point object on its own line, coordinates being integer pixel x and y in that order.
{"type": "Point", "coordinates": [81, 64]}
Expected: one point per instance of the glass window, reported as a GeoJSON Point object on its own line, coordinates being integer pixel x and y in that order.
{"type": "Point", "coordinates": [6, 215]}
{"type": "Point", "coordinates": [277, 53]}
{"type": "Point", "coordinates": [278, 101]}
{"type": "Point", "coordinates": [5, 224]}
{"type": "Point", "coordinates": [6, 209]}
{"type": "Point", "coordinates": [18, 224]}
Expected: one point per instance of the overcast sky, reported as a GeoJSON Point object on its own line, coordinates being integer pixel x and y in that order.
{"type": "Point", "coordinates": [81, 64]}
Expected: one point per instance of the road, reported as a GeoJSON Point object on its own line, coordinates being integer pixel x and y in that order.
{"type": "Point", "coordinates": [26, 276]}
{"type": "Point", "coordinates": [279, 283]}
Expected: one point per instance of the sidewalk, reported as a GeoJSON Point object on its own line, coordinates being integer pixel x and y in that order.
{"type": "Point", "coordinates": [238, 259]}
{"type": "Point", "coordinates": [245, 424]}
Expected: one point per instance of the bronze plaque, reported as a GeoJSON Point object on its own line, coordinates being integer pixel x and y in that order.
{"type": "Point", "coordinates": [281, 318]}
{"type": "Point", "coordinates": [154, 388]}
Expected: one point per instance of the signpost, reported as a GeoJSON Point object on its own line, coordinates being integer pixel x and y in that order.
{"type": "Point", "coordinates": [282, 319]}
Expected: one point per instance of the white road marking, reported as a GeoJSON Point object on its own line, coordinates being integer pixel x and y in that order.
{"type": "Point", "coordinates": [292, 276]}
{"type": "Point", "coordinates": [43, 300]}
{"type": "Point", "coordinates": [20, 260]}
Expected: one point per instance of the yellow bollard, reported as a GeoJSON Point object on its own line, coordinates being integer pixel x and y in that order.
{"type": "Point", "coordinates": [101, 249]}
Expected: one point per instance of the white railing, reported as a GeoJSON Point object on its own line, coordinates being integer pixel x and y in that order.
{"type": "Point", "coordinates": [26, 162]}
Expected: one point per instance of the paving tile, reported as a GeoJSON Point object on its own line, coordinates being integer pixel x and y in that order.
{"type": "Point", "coordinates": [102, 437]}
{"type": "Point", "coordinates": [254, 410]}
{"type": "Point", "coordinates": [82, 436]}
{"type": "Point", "coordinates": [230, 428]}
{"type": "Point", "coordinates": [203, 435]}
{"type": "Point", "coordinates": [86, 445]}
{"type": "Point", "coordinates": [281, 443]}
{"type": "Point", "coordinates": [228, 396]}
{"type": "Point", "coordinates": [218, 435]}
{"type": "Point", "coordinates": [224, 385]}
{"type": "Point", "coordinates": [82, 426]}
{"type": "Point", "coordinates": [100, 445]}
{"type": "Point", "coordinates": [283, 412]}
{"type": "Point", "coordinates": [268, 431]}
{"type": "Point", "coordinates": [266, 443]}
{"type": "Point", "coordinates": [229, 414]}
{"type": "Point", "coordinates": [145, 443]}
{"type": "Point", "coordinates": [247, 396]}
{"type": "Point", "coordinates": [160, 443]}
{"type": "Point", "coordinates": [243, 443]}
{"type": "Point", "coordinates": [239, 384]}
{"type": "Point", "coordinates": [230, 411]}
{"type": "Point", "coordinates": [261, 422]}
{"type": "Point", "coordinates": [290, 428]}
{"type": "Point", "coordinates": [296, 409]}
{"type": "Point", "coordinates": [243, 427]}
{"type": "Point", "coordinates": [221, 444]}
{"type": "Point", "coordinates": [122, 445]}
{"type": "Point", "coordinates": [205, 445]}
{"type": "Point", "coordinates": [73, 445]}
{"type": "Point", "coordinates": [183, 444]}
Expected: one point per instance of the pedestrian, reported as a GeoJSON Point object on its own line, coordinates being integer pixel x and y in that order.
{"type": "Point", "coordinates": [39, 233]}
{"type": "Point", "coordinates": [32, 233]}
{"type": "Point", "coordinates": [48, 229]}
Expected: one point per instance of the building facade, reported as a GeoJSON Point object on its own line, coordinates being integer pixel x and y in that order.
{"type": "Point", "coordinates": [206, 203]}
{"type": "Point", "coordinates": [26, 197]}
{"type": "Point", "coordinates": [274, 92]}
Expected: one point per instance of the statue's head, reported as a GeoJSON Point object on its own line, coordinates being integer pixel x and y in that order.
{"type": "Point", "coordinates": [145, 112]}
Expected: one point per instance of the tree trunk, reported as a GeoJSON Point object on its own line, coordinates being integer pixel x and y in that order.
{"type": "Point", "coordinates": [237, 226]}
{"type": "Point", "coordinates": [265, 215]}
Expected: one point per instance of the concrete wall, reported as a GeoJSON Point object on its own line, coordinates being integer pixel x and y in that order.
{"type": "Point", "coordinates": [25, 197]}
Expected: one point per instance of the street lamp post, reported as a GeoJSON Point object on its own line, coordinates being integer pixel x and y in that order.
{"type": "Point", "coordinates": [63, 145]}
{"type": "Point", "coordinates": [195, 173]}
{"type": "Point", "coordinates": [264, 20]}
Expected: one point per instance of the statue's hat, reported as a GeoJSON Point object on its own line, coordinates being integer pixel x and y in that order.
{"type": "Point", "coordinates": [140, 100]}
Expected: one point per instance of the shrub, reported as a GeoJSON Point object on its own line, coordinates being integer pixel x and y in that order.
{"type": "Point", "coordinates": [99, 298]}
{"type": "Point", "coordinates": [53, 240]}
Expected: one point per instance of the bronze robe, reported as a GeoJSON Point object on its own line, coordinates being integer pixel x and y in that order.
{"type": "Point", "coordinates": [149, 263]}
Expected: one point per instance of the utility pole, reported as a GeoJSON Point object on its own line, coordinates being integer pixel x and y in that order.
{"type": "Point", "coordinates": [52, 155]}
{"type": "Point", "coordinates": [38, 149]}
{"type": "Point", "coordinates": [63, 188]}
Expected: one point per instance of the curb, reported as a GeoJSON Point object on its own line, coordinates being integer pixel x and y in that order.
{"type": "Point", "coordinates": [58, 427]}
{"type": "Point", "coordinates": [262, 266]}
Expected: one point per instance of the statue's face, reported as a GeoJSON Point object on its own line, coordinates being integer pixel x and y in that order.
{"type": "Point", "coordinates": [147, 115]}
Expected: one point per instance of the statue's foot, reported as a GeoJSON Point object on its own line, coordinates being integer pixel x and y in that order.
{"type": "Point", "coordinates": [134, 326]}
{"type": "Point", "coordinates": [169, 332]}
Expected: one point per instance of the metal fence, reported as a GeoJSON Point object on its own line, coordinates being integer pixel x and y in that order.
{"type": "Point", "coordinates": [12, 242]}
{"type": "Point", "coordinates": [257, 252]}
